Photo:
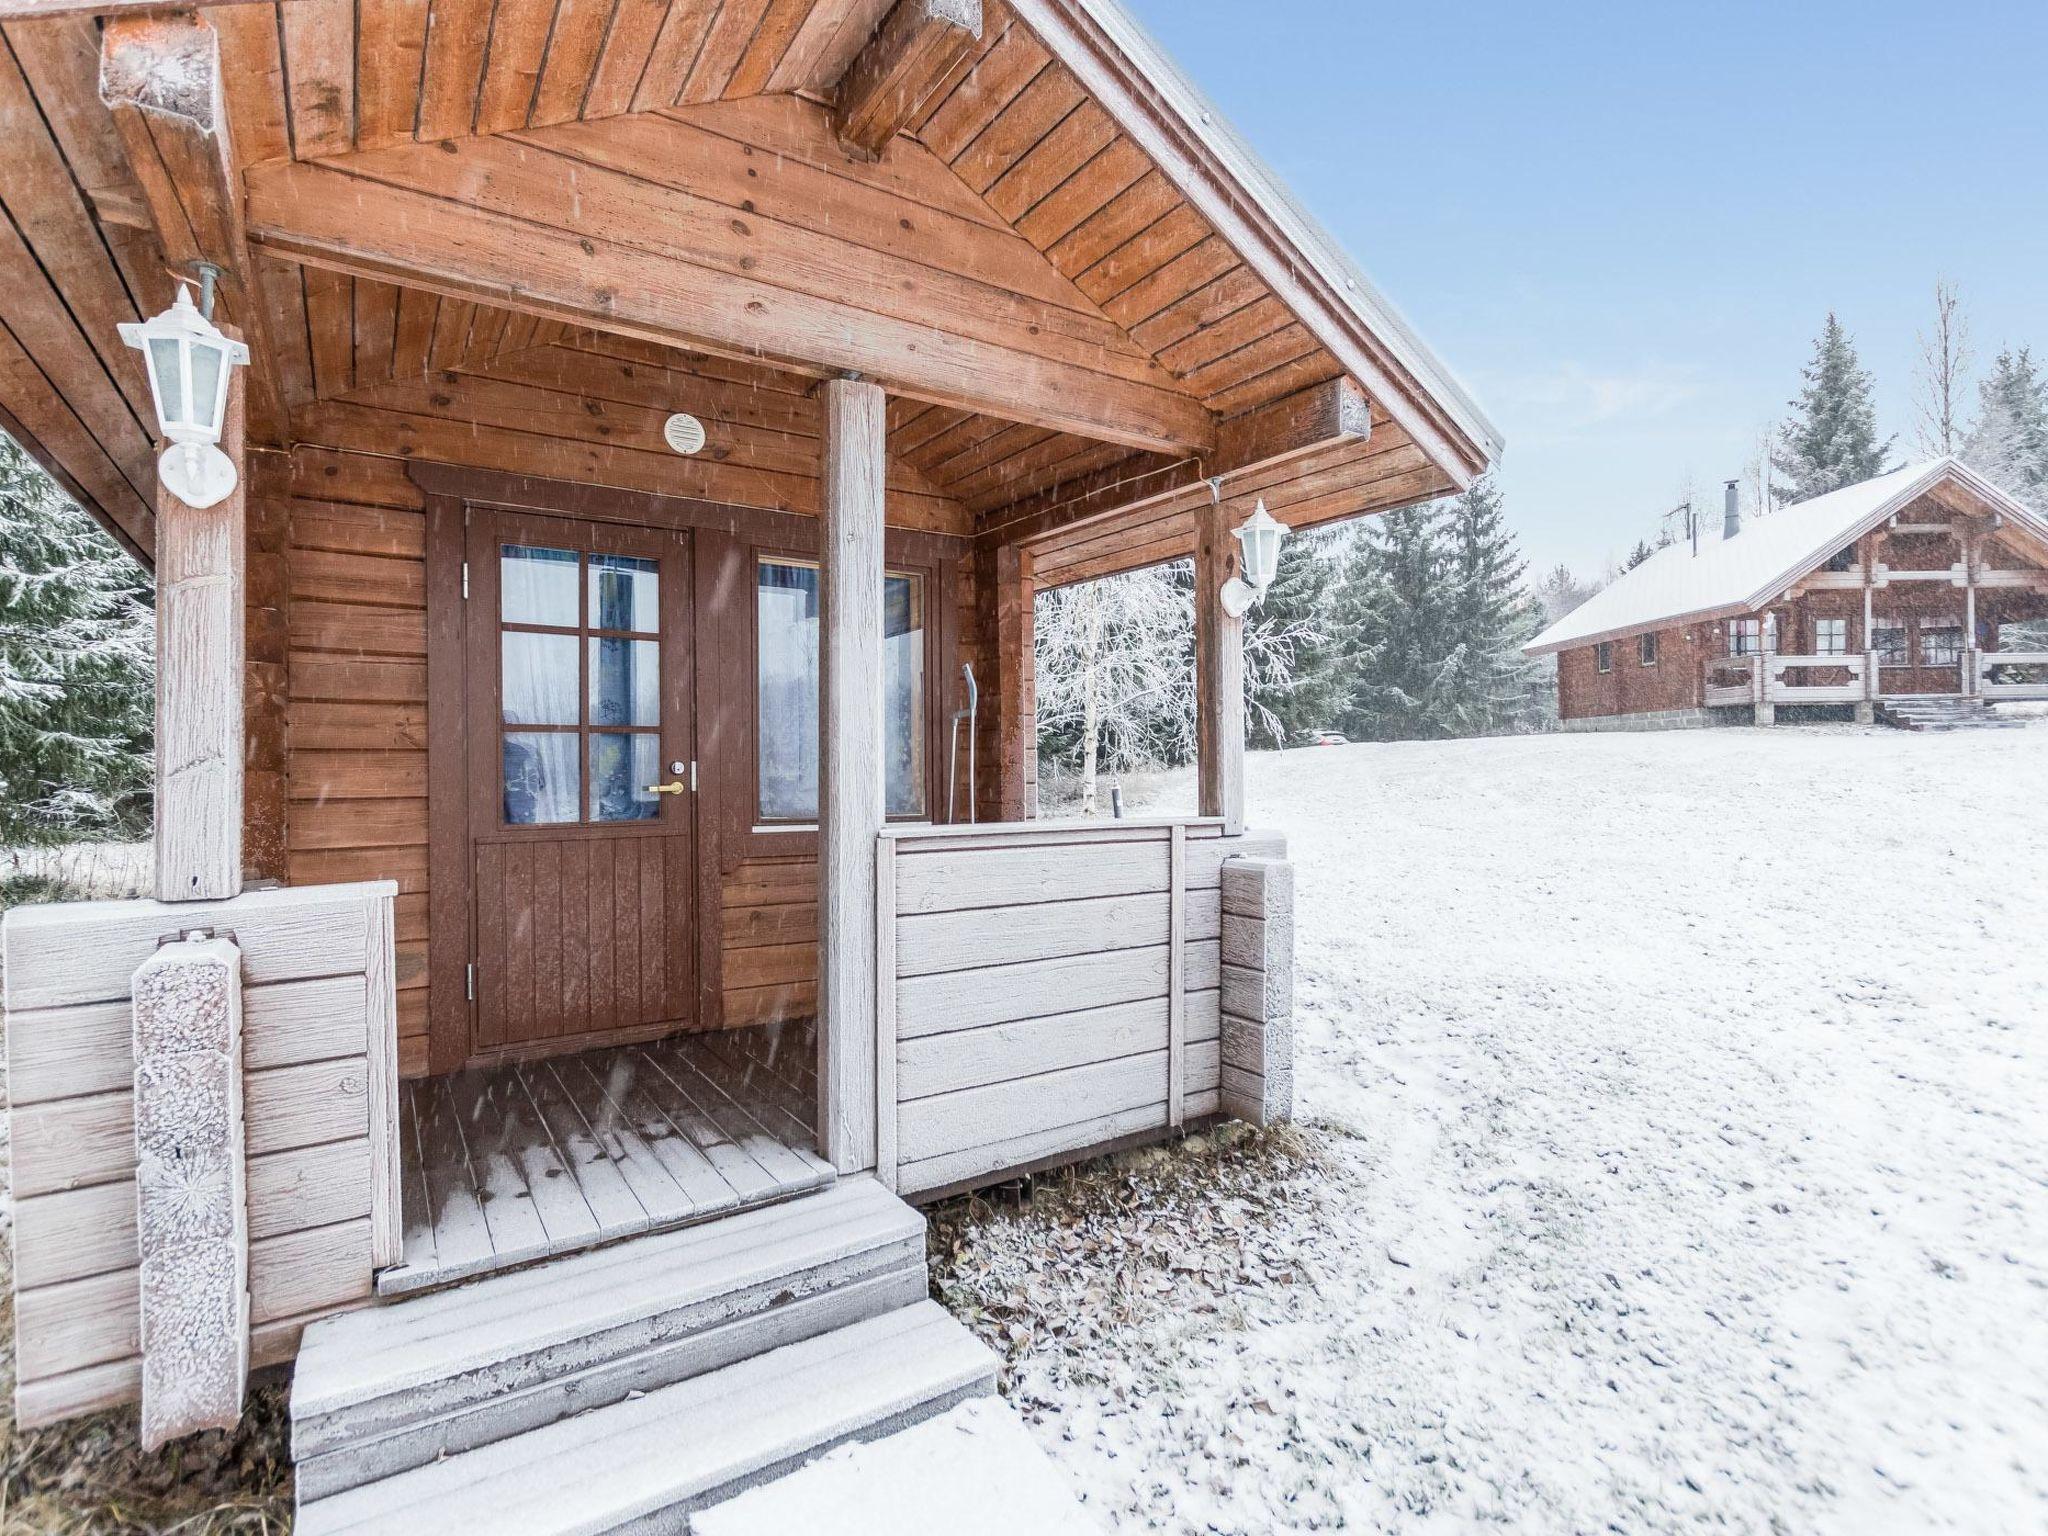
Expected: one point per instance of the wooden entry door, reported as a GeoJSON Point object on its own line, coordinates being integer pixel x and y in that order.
{"type": "Point", "coordinates": [582, 823]}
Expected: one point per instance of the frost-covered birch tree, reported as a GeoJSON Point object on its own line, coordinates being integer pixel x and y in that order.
{"type": "Point", "coordinates": [1944, 372]}
{"type": "Point", "coordinates": [1116, 673]}
{"type": "Point", "coordinates": [76, 666]}
{"type": "Point", "coordinates": [2009, 441]}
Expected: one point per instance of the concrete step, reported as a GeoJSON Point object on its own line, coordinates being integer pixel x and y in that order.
{"type": "Point", "coordinates": [976, 1468]}
{"type": "Point", "coordinates": [1944, 715]}
{"type": "Point", "coordinates": [384, 1390]}
{"type": "Point", "coordinates": [644, 1464]}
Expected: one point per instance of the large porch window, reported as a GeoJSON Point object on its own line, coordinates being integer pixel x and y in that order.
{"type": "Point", "coordinates": [786, 692]}
{"type": "Point", "coordinates": [1888, 641]}
{"type": "Point", "coordinates": [1941, 643]}
{"type": "Point", "coordinates": [1830, 637]}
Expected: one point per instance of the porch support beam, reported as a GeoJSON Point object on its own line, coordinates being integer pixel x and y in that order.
{"type": "Point", "coordinates": [201, 641]}
{"type": "Point", "coordinates": [504, 222]}
{"type": "Point", "coordinates": [913, 53]}
{"type": "Point", "coordinates": [1219, 673]}
{"type": "Point", "coordinates": [1321, 420]}
{"type": "Point", "coordinates": [160, 78]}
{"type": "Point", "coordinates": [851, 810]}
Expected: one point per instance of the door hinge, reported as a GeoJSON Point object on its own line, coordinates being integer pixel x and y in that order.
{"type": "Point", "coordinates": [469, 982]}
{"type": "Point", "coordinates": [465, 581]}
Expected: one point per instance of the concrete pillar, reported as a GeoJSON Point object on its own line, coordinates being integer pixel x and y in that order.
{"type": "Point", "coordinates": [192, 1226]}
{"type": "Point", "coordinates": [1258, 990]}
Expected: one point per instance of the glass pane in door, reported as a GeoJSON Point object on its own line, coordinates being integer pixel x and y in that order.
{"type": "Point", "coordinates": [542, 782]}
{"type": "Point", "coordinates": [537, 586]}
{"type": "Point", "coordinates": [623, 772]}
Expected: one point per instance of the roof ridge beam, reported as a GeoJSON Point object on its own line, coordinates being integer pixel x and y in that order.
{"type": "Point", "coordinates": [912, 54]}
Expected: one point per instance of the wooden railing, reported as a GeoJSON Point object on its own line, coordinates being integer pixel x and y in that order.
{"type": "Point", "coordinates": [2011, 674]}
{"type": "Point", "coordinates": [1731, 681]}
{"type": "Point", "coordinates": [1846, 679]}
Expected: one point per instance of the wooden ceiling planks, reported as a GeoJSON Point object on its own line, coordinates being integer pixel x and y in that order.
{"type": "Point", "coordinates": [1021, 131]}
{"type": "Point", "coordinates": [342, 75]}
{"type": "Point", "coordinates": [67, 382]}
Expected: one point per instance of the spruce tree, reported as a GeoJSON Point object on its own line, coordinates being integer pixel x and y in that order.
{"type": "Point", "coordinates": [1831, 440]}
{"type": "Point", "coordinates": [1491, 617]}
{"type": "Point", "coordinates": [2009, 443]}
{"type": "Point", "coordinates": [76, 670]}
{"type": "Point", "coordinates": [1393, 624]}
{"type": "Point", "coordinates": [1307, 694]}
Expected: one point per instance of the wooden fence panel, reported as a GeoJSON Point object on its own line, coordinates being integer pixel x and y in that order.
{"type": "Point", "coordinates": [1033, 1006]}
{"type": "Point", "coordinates": [320, 1082]}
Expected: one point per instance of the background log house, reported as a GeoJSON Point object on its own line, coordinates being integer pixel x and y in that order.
{"type": "Point", "coordinates": [979, 295]}
{"type": "Point", "coordinates": [1907, 589]}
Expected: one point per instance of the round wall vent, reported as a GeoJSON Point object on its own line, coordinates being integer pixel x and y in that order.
{"type": "Point", "coordinates": [683, 433]}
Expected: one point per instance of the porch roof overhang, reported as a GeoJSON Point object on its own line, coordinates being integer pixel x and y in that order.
{"type": "Point", "coordinates": [1735, 577]}
{"type": "Point", "coordinates": [1161, 291]}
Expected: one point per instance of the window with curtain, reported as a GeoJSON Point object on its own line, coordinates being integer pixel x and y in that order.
{"type": "Point", "coordinates": [786, 692]}
{"type": "Point", "coordinates": [1745, 637]}
{"type": "Point", "coordinates": [580, 686]}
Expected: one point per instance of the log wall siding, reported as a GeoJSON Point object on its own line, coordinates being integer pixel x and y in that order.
{"type": "Point", "coordinates": [355, 735]}
{"type": "Point", "coordinates": [1029, 1010]}
{"type": "Point", "coordinates": [319, 1123]}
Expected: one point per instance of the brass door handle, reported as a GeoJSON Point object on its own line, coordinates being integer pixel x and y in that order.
{"type": "Point", "coordinates": [677, 788]}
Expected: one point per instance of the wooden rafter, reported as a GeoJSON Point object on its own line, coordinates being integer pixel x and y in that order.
{"type": "Point", "coordinates": [902, 68]}
{"type": "Point", "coordinates": [160, 78]}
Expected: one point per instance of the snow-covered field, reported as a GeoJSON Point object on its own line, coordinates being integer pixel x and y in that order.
{"type": "Point", "coordinates": [1678, 1159]}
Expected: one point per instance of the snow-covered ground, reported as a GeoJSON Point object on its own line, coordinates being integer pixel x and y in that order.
{"type": "Point", "coordinates": [1677, 1159]}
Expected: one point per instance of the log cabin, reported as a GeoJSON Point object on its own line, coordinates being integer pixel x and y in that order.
{"type": "Point", "coordinates": [658, 419]}
{"type": "Point", "coordinates": [1895, 598]}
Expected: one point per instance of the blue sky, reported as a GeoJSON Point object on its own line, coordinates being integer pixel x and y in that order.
{"type": "Point", "coordinates": [1622, 225]}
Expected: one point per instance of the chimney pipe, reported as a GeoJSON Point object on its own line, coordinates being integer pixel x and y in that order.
{"type": "Point", "coordinates": [1731, 519]}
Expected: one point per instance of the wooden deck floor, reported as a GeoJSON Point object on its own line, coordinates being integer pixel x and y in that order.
{"type": "Point", "coordinates": [505, 1165]}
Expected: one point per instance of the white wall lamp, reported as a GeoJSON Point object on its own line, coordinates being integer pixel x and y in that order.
{"type": "Point", "coordinates": [1259, 539]}
{"type": "Point", "coordinates": [190, 362]}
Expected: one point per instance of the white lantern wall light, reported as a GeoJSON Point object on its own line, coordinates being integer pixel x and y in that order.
{"type": "Point", "coordinates": [1259, 541]}
{"type": "Point", "coordinates": [190, 362]}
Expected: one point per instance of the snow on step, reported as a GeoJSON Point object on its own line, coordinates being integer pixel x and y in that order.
{"type": "Point", "coordinates": [973, 1469]}
{"type": "Point", "coordinates": [642, 1464]}
{"type": "Point", "coordinates": [390, 1388]}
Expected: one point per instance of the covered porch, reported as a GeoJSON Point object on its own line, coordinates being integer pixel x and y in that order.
{"type": "Point", "coordinates": [650, 447]}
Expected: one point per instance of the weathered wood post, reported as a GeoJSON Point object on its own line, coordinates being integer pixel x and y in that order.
{"type": "Point", "coordinates": [851, 806]}
{"type": "Point", "coordinates": [1219, 672]}
{"type": "Point", "coordinates": [200, 637]}
{"type": "Point", "coordinates": [1016, 764]}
